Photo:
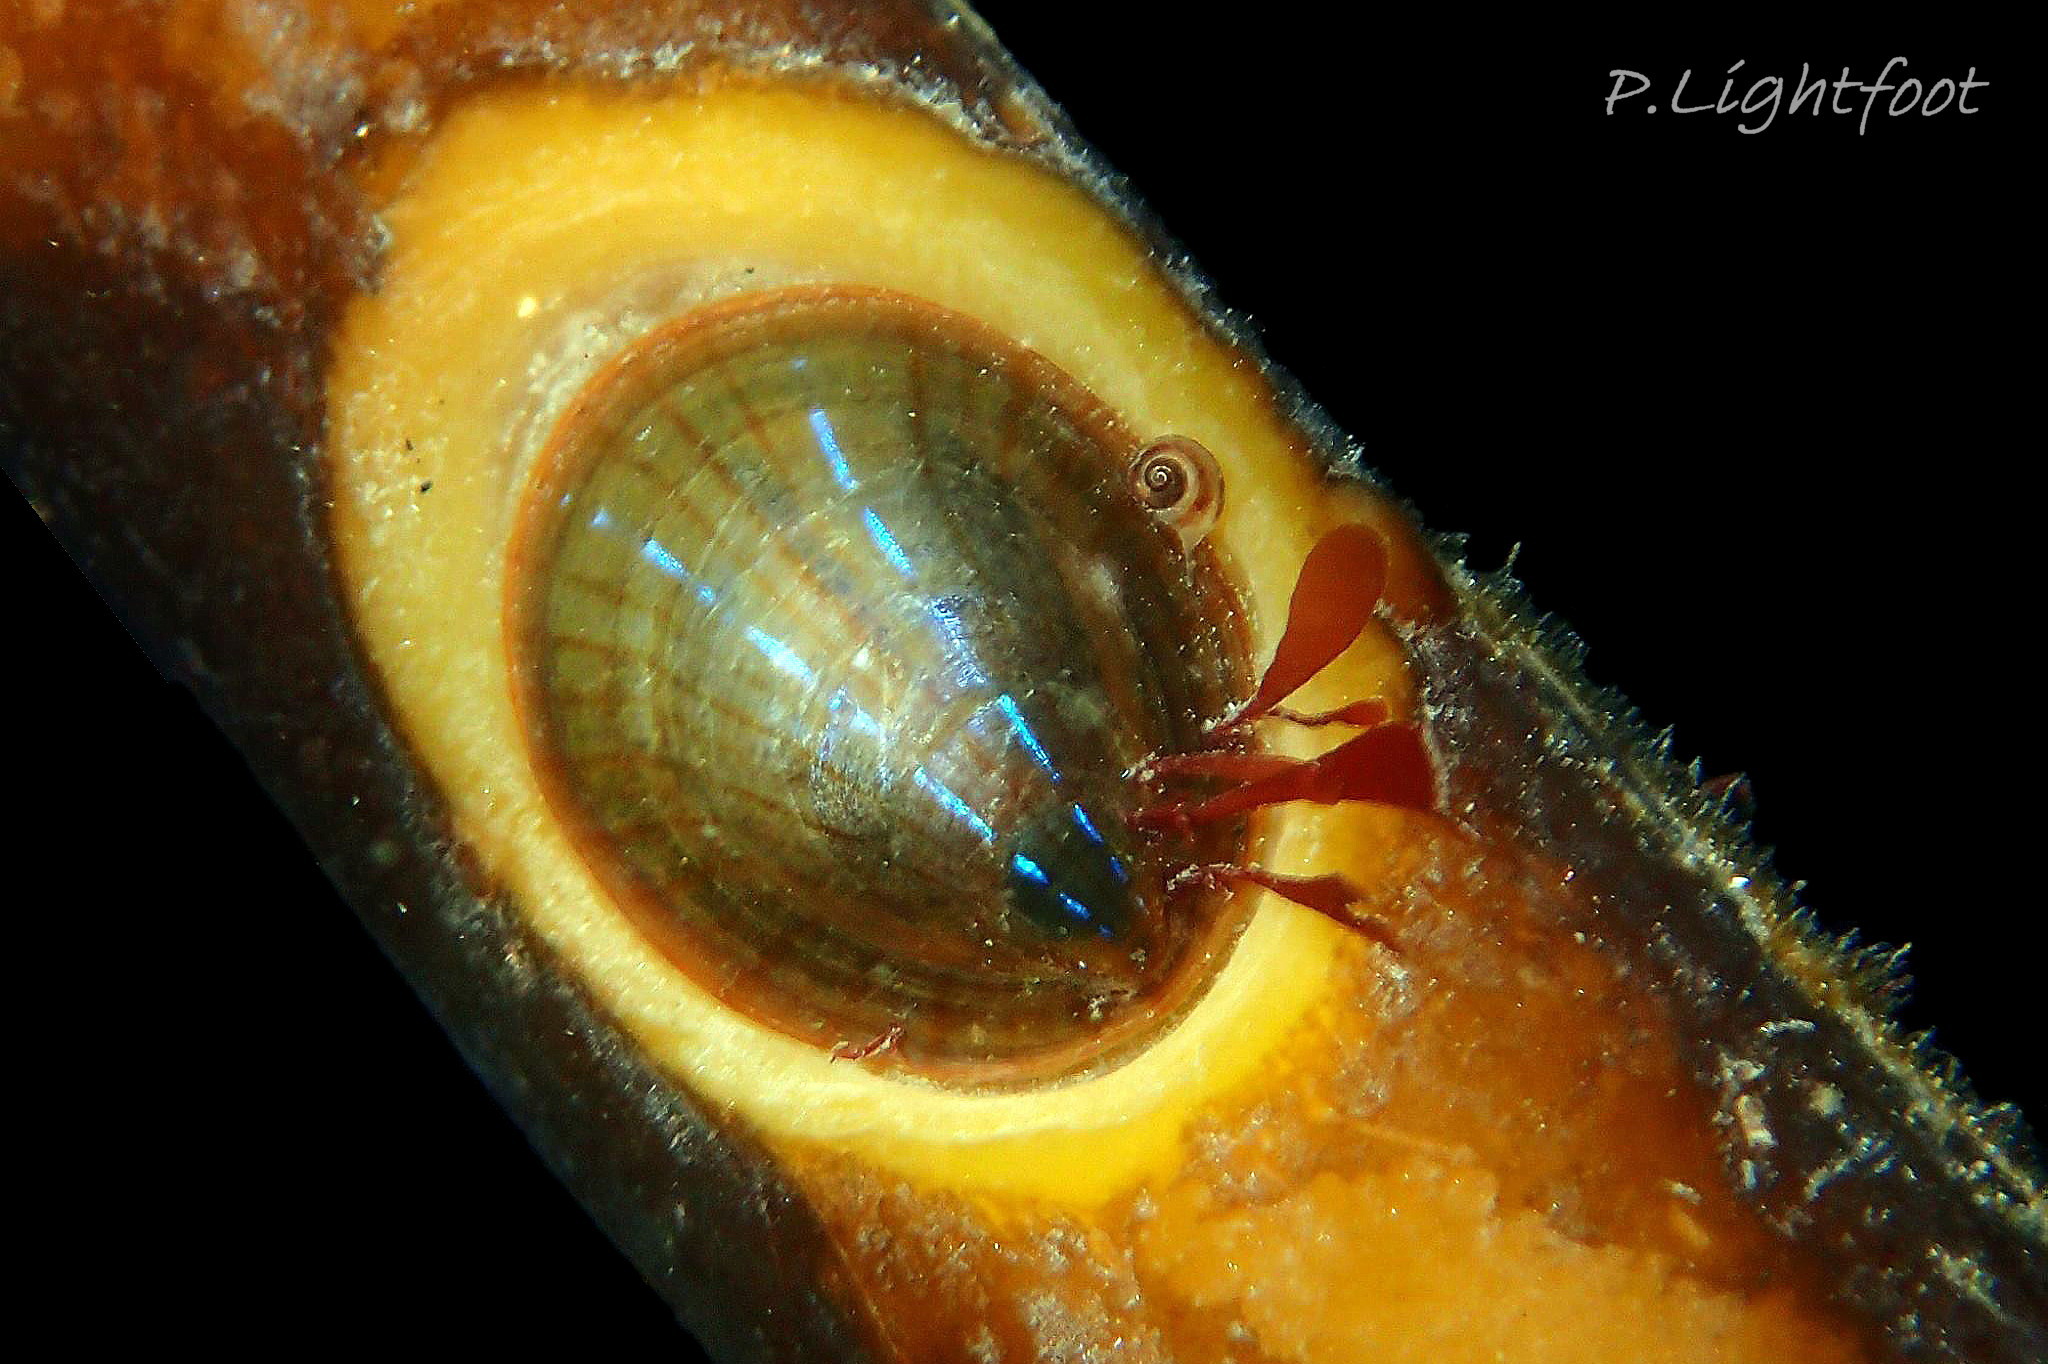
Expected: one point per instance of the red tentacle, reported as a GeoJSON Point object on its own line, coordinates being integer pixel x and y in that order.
{"type": "Point", "coordinates": [861, 1051]}
{"type": "Point", "coordinates": [1364, 714]}
{"type": "Point", "coordinates": [1340, 585]}
{"type": "Point", "coordinates": [1332, 895]}
{"type": "Point", "coordinates": [1386, 766]}
{"type": "Point", "coordinates": [1339, 588]}
{"type": "Point", "coordinates": [1244, 767]}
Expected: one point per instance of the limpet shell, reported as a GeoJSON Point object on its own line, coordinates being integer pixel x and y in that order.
{"type": "Point", "coordinates": [838, 630]}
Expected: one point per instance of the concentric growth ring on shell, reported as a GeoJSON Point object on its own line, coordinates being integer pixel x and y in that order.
{"type": "Point", "coordinates": [836, 630]}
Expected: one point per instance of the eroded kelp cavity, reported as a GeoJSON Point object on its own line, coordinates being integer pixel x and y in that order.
{"type": "Point", "coordinates": [839, 629]}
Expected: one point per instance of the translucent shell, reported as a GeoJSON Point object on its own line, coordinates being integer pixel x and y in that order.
{"type": "Point", "coordinates": [837, 630]}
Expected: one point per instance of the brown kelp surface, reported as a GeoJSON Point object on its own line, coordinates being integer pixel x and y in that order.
{"type": "Point", "coordinates": [1603, 1086]}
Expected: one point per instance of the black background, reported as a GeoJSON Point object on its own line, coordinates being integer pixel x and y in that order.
{"type": "Point", "coordinates": [1750, 405]}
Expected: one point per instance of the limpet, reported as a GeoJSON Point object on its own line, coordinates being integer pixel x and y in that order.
{"type": "Point", "coordinates": [838, 633]}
